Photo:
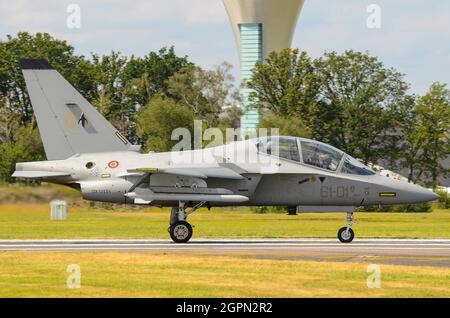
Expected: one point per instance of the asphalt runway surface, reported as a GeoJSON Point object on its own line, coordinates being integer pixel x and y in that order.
{"type": "Point", "coordinates": [383, 251]}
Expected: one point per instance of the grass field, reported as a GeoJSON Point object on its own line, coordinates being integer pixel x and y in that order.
{"type": "Point", "coordinates": [31, 221]}
{"type": "Point", "coordinates": [157, 275]}
{"type": "Point", "coordinates": [139, 274]}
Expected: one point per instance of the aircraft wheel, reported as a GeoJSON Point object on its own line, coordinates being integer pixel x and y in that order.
{"type": "Point", "coordinates": [181, 232]}
{"type": "Point", "coordinates": [346, 236]}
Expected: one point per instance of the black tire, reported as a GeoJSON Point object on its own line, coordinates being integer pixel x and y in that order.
{"type": "Point", "coordinates": [344, 237]}
{"type": "Point", "coordinates": [180, 232]}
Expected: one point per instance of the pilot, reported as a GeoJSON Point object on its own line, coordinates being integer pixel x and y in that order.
{"type": "Point", "coordinates": [314, 159]}
{"type": "Point", "coordinates": [327, 163]}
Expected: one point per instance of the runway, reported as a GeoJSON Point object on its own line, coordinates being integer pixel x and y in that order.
{"type": "Point", "coordinates": [389, 251]}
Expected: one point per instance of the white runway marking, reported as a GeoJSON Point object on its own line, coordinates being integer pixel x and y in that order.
{"type": "Point", "coordinates": [418, 252]}
{"type": "Point", "coordinates": [389, 251]}
{"type": "Point", "coordinates": [225, 244]}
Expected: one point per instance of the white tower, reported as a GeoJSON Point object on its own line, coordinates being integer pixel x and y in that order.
{"type": "Point", "coordinates": [260, 27]}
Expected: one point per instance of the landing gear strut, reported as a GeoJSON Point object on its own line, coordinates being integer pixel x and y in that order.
{"type": "Point", "coordinates": [346, 234]}
{"type": "Point", "coordinates": [180, 230]}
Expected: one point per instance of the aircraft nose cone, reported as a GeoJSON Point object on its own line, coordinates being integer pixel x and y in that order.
{"type": "Point", "coordinates": [407, 193]}
{"type": "Point", "coordinates": [432, 196]}
{"type": "Point", "coordinates": [420, 195]}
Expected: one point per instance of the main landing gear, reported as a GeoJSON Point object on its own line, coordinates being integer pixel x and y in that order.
{"type": "Point", "coordinates": [180, 230]}
{"type": "Point", "coordinates": [346, 234]}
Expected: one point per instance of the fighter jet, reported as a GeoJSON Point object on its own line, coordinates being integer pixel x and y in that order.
{"type": "Point", "coordinates": [86, 152]}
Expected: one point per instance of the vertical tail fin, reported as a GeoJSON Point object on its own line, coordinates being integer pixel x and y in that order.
{"type": "Point", "coordinates": [67, 122]}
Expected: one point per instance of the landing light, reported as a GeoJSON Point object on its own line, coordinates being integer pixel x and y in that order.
{"type": "Point", "coordinates": [388, 194]}
{"type": "Point", "coordinates": [147, 169]}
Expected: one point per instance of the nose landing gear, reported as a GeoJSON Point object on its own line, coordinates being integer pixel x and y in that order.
{"type": "Point", "coordinates": [346, 234]}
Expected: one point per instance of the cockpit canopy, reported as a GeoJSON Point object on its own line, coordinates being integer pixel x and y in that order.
{"type": "Point", "coordinates": [313, 153]}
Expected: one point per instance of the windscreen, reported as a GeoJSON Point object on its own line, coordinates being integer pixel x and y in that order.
{"type": "Point", "coordinates": [354, 166]}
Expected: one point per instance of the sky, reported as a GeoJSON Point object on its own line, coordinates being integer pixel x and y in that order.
{"type": "Point", "coordinates": [413, 37]}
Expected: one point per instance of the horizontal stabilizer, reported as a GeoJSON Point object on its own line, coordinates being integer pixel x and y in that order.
{"type": "Point", "coordinates": [39, 174]}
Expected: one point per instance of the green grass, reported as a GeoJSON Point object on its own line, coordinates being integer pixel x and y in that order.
{"type": "Point", "coordinates": [25, 274]}
{"type": "Point", "coordinates": [31, 221]}
{"type": "Point", "coordinates": [15, 193]}
{"type": "Point", "coordinates": [146, 274]}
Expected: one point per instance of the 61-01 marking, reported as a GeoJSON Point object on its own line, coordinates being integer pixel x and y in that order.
{"type": "Point", "coordinates": [336, 191]}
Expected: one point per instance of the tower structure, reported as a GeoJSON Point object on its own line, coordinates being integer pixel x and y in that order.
{"type": "Point", "coordinates": [260, 27]}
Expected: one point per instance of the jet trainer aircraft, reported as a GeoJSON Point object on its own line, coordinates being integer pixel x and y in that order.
{"type": "Point", "coordinates": [86, 152]}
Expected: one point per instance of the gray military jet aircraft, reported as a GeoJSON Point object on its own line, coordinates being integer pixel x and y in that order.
{"type": "Point", "coordinates": [86, 152]}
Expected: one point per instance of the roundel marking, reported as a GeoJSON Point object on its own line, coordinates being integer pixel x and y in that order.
{"type": "Point", "coordinates": [70, 121]}
{"type": "Point", "coordinates": [113, 164]}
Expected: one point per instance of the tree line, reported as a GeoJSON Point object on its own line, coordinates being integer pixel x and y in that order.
{"type": "Point", "coordinates": [349, 100]}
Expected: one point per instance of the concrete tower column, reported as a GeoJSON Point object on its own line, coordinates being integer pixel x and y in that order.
{"type": "Point", "coordinates": [260, 27]}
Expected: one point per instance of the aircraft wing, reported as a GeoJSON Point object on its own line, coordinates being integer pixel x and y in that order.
{"type": "Point", "coordinates": [38, 174]}
{"type": "Point", "coordinates": [220, 172]}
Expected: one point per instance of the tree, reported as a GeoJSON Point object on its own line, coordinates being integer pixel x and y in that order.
{"type": "Point", "coordinates": [143, 78]}
{"type": "Point", "coordinates": [359, 106]}
{"type": "Point", "coordinates": [411, 143]}
{"type": "Point", "coordinates": [293, 126]}
{"type": "Point", "coordinates": [26, 146]}
{"type": "Point", "coordinates": [111, 99]}
{"type": "Point", "coordinates": [127, 84]}
{"type": "Point", "coordinates": [231, 118]}
{"type": "Point", "coordinates": [159, 118]}
{"type": "Point", "coordinates": [18, 143]}
{"type": "Point", "coordinates": [433, 131]}
{"type": "Point", "coordinates": [59, 53]}
{"type": "Point", "coordinates": [9, 122]}
{"type": "Point", "coordinates": [161, 65]}
{"type": "Point", "coordinates": [286, 83]}
{"type": "Point", "coordinates": [204, 92]}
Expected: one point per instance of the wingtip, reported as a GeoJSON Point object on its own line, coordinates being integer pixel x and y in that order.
{"type": "Point", "coordinates": [35, 64]}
